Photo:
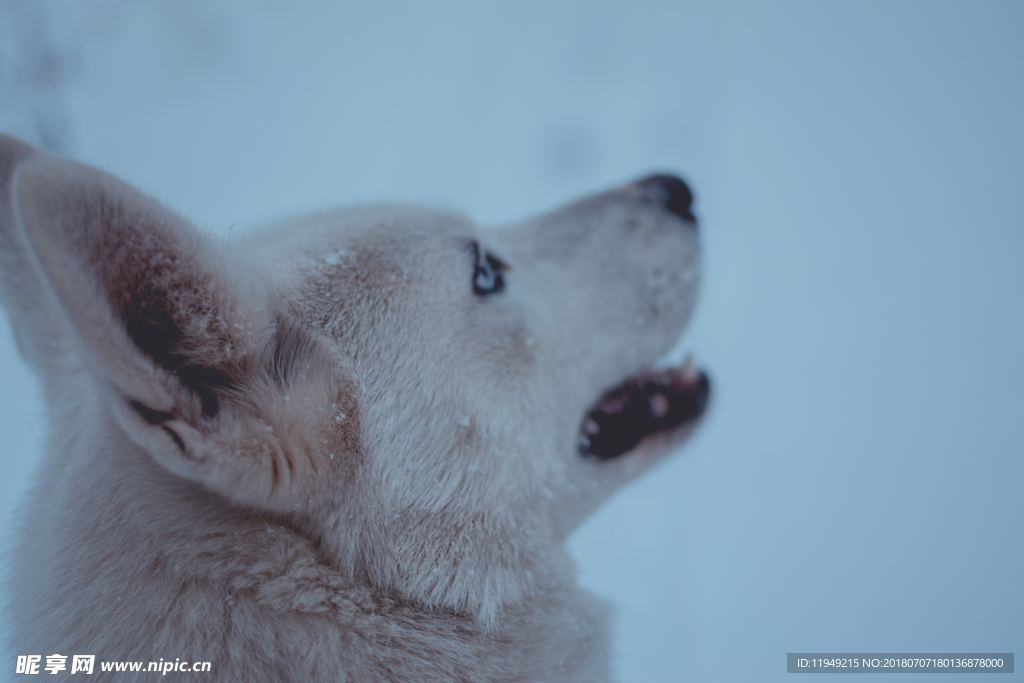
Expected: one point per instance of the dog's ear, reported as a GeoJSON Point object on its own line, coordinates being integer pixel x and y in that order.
{"type": "Point", "coordinates": [163, 322]}
{"type": "Point", "coordinates": [18, 280]}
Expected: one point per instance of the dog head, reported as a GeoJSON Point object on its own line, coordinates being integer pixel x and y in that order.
{"type": "Point", "coordinates": [436, 405]}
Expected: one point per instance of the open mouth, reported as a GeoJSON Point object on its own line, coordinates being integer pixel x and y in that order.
{"type": "Point", "coordinates": [651, 403]}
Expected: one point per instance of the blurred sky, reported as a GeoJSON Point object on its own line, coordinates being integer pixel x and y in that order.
{"type": "Point", "coordinates": [859, 168]}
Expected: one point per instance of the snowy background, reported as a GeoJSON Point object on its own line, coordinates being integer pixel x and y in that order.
{"type": "Point", "coordinates": [860, 176]}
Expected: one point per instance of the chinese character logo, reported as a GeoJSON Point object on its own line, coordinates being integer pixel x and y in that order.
{"type": "Point", "coordinates": [28, 664]}
{"type": "Point", "coordinates": [82, 663]}
{"type": "Point", "coordinates": [56, 663]}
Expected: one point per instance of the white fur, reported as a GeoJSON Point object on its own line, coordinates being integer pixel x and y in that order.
{"type": "Point", "coordinates": [314, 454]}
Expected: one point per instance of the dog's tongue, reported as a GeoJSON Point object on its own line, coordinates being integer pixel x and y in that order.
{"type": "Point", "coordinates": [643, 405]}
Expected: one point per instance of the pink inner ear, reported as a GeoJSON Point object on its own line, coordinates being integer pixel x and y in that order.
{"type": "Point", "coordinates": [155, 332]}
{"type": "Point", "coordinates": [96, 239]}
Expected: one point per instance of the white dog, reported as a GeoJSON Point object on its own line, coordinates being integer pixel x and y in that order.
{"type": "Point", "coordinates": [348, 448]}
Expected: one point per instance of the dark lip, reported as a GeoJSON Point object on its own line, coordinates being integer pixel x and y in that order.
{"type": "Point", "coordinates": [640, 407]}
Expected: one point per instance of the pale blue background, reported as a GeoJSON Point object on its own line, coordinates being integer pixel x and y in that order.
{"type": "Point", "coordinates": [860, 174]}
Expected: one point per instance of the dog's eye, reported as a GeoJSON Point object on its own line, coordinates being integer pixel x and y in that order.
{"type": "Point", "coordinates": [488, 275]}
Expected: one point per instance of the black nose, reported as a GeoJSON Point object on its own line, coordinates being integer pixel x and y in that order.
{"type": "Point", "coordinates": [671, 192]}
